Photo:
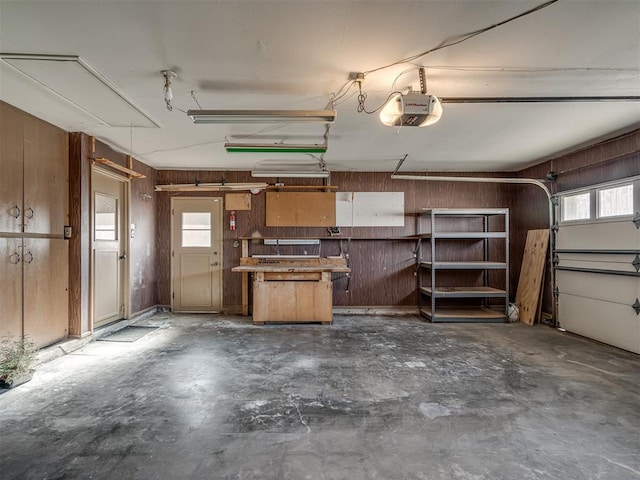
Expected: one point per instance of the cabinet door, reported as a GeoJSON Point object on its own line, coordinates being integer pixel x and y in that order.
{"type": "Point", "coordinates": [46, 175]}
{"type": "Point", "coordinates": [46, 297]}
{"type": "Point", "coordinates": [11, 144]}
{"type": "Point", "coordinates": [10, 287]}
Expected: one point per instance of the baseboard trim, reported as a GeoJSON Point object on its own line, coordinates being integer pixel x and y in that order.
{"type": "Point", "coordinates": [144, 313]}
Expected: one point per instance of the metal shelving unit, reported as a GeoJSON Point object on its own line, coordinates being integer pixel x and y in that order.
{"type": "Point", "coordinates": [432, 295]}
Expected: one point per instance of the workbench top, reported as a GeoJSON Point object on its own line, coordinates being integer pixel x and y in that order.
{"type": "Point", "coordinates": [298, 265]}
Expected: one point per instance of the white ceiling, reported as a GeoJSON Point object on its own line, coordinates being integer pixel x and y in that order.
{"type": "Point", "coordinates": [260, 54]}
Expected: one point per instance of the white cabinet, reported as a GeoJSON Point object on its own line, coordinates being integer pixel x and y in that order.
{"type": "Point", "coordinates": [463, 264]}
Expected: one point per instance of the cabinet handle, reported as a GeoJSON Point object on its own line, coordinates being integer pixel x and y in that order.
{"type": "Point", "coordinates": [30, 256]}
{"type": "Point", "coordinates": [28, 213]}
{"type": "Point", "coordinates": [15, 211]}
{"type": "Point", "coordinates": [15, 256]}
{"type": "Point", "coordinates": [123, 256]}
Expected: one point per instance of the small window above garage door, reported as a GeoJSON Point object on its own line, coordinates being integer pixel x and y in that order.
{"type": "Point", "coordinates": [615, 201]}
{"type": "Point", "coordinates": [604, 202]}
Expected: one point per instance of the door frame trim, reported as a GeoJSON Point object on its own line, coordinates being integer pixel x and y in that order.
{"type": "Point", "coordinates": [126, 219]}
{"type": "Point", "coordinates": [171, 257]}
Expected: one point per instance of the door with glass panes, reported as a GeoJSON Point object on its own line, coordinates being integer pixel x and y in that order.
{"type": "Point", "coordinates": [109, 244]}
{"type": "Point", "coordinates": [196, 254]}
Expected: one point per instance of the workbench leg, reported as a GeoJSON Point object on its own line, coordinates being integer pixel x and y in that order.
{"type": "Point", "coordinates": [245, 281]}
{"type": "Point", "coordinates": [245, 293]}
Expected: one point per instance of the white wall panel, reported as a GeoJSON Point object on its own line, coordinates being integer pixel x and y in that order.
{"type": "Point", "coordinates": [370, 209]}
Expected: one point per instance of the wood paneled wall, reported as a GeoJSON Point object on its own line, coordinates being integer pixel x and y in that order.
{"type": "Point", "coordinates": [608, 161]}
{"type": "Point", "coordinates": [383, 272]}
{"type": "Point", "coordinates": [144, 291]}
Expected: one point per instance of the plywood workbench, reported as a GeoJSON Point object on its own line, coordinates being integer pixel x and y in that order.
{"type": "Point", "coordinates": [292, 290]}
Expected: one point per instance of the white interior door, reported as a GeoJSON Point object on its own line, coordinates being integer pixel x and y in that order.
{"type": "Point", "coordinates": [108, 242]}
{"type": "Point", "coordinates": [598, 249]}
{"type": "Point", "coordinates": [196, 254]}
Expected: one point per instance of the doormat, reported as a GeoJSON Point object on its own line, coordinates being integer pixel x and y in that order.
{"type": "Point", "coordinates": [127, 334]}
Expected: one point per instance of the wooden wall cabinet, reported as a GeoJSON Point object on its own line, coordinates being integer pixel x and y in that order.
{"type": "Point", "coordinates": [46, 175]}
{"type": "Point", "coordinates": [11, 168]}
{"type": "Point", "coordinates": [34, 288]}
{"type": "Point", "coordinates": [34, 208]}
{"type": "Point", "coordinates": [45, 292]}
{"type": "Point", "coordinates": [10, 287]}
{"type": "Point", "coordinates": [34, 174]}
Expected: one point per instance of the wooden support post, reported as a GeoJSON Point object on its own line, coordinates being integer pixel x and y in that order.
{"type": "Point", "coordinates": [81, 151]}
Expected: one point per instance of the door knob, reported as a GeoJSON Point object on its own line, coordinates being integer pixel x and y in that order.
{"type": "Point", "coordinates": [123, 256]}
{"type": "Point", "coordinates": [214, 264]}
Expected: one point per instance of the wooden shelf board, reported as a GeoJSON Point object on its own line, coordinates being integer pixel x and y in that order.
{"type": "Point", "coordinates": [120, 168]}
{"type": "Point", "coordinates": [464, 292]}
{"type": "Point", "coordinates": [464, 314]}
{"type": "Point", "coordinates": [464, 235]}
{"type": "Point", "coordinates": [464, 265]}
{"type": "Point", "coordinates": [337, 237]}
{"type": "Point", "coordinates": [463, 212]}
{"type": "Point", "coordinates": [302, 187]}
{"type": "Point", "coordinates": [210, 187]}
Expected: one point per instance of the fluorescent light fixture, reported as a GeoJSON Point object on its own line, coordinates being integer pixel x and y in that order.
{"type": "Point", "coordinates": [412, 109]}
{"type": "Point", "coordinates": [290, 174]}
{"type": "Point", "coordinates": [273, 148]}
{"type": "Point", "coordinates": [262, 116]}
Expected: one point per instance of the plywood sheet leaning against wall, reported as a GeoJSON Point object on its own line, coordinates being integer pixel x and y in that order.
{"type": "Point", "coordinates": [532, 275]}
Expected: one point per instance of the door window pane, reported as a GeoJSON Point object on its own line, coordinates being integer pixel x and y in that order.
{"type": "Point", "coordinates": [196, 229]}
{"type": "Point", "coordinates": [105, 218]}
{"type": "Point", "coordinates": [576, 207]}
{"type": "Point", "coordinates": [613, 202]}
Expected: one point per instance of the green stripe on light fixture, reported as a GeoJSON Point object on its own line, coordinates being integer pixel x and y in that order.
{"type": "Point", "coordinates": [273, 148]}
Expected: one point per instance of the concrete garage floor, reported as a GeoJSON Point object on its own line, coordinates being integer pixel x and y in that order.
{"type": "Point", "coordinates": [213, 397]}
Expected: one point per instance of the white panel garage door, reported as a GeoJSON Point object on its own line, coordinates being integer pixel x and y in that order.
{"type": "Point", "coordinates": [598, 259]}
